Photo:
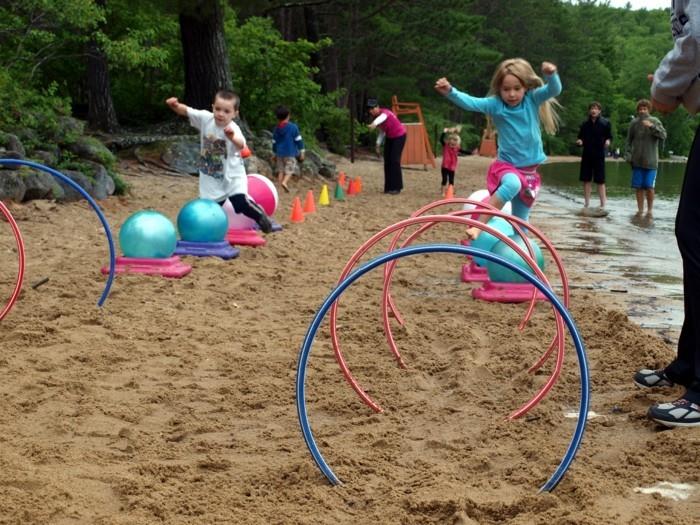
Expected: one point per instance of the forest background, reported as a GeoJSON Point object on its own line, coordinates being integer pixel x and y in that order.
{"type": "Point", "coordinates": [113, 63]}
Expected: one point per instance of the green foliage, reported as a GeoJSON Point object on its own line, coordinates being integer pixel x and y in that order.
{"type": "Point", "coordinates": [376, 48]}
{"type": "Point", "coordinates": [142, 43]}
{"type": "Point", "coordinates": [335, 129]}
{"type": "Point", "coordinates": [268, 71]}
{"type": "Point", "coordinates": [23, 107]}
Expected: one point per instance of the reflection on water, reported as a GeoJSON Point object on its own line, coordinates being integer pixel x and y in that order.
{"type": "Point", "coordinates": [623, 252]}
{"type": "Point", "coordinates": [644, 221]}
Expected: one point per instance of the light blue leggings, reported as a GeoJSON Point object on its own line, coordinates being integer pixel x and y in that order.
{"type": "Point", "coordinates": [509, 191]}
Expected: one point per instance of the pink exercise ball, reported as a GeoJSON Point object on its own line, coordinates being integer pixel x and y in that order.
{"type": "Point", "coordinates": [263, 192]}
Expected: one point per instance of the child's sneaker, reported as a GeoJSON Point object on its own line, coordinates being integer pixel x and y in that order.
{"type": "Point", "coordinates": [265, 223]}
{"type": "Point", "coordinates": [679, 413]}
{"type": "Point", "coordinates": [652, 378]}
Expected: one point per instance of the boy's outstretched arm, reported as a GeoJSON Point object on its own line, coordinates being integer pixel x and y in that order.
{"type": "Point", "coordinates": [176, 106]}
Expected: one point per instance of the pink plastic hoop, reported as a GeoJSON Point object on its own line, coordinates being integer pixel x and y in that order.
{"type": "Point", "coordinates": [426, 219]}
{"type": "Point", "coordinates": [20, 256]}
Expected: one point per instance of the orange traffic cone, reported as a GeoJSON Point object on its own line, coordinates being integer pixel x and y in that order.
{"type": "Point", "coordinates": [359, 184]}
{"type": "Point", "coordinates": [297, 212]}
{"type": "Point", "coordinates": [341, 178]}
{"type": "Point", "coordinates": [352, 187]}
{"type": "Point", "coordinates": [450, 193]}
{"type": "Point", "coordinates": [309, 205]}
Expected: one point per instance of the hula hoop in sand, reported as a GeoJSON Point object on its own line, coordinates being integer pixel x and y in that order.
{"type": "Point", "coordinates": [98, 211]}
{"type": "Point", "coordinates": [516, 223]}
{"type": "Point", "coordinates": [428, 221]}
{"type": "Point", "coordinates": [20, 256]}
{"type": "Point", "coordinates": [564, 317]}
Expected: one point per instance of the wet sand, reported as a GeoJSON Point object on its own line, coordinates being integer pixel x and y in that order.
{"type": "Point", "coordinates": [175, 402]}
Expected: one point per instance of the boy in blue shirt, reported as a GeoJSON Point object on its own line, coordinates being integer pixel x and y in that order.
{"type": "Point", "coordinates": [287, 145]}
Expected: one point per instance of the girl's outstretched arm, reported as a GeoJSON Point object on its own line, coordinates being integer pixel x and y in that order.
{"type": "Point", "coordinates": [463, 100]}
{"type": "Point", "coordinates": [552, 86]}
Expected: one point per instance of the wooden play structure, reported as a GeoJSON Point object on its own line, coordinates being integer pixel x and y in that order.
{"type": "Point", "coordinates": [417, 149]}
{"type": "Point", "coordinates": [488, 147]}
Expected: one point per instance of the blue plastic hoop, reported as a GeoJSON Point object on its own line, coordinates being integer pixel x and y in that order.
{"type": "Point", "coordinates": [305, 350]}
{"type": "Point", "coordinates": [91, 201]}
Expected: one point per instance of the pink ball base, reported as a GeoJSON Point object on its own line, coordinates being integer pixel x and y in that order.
{"type": "Point", "coordinates": [506, 292]}
{"type": "Point", "coordinates": [168, 267]}
{"type": "Point", "coordinates": [473, 273]}
{"type": "Point", "coordinates": [245, 237]}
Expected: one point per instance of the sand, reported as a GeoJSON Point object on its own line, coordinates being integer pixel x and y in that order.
{"type": "Point", "coordinates": [175, 402]}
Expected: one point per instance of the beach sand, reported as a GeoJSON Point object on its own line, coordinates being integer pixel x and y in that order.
{"type": "Point", "coordinates": [175, 402]}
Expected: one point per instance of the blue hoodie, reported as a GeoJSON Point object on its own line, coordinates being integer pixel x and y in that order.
{"type": "Point", "coordinates": [286, 140]}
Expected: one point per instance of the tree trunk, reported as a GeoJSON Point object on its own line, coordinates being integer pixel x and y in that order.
{"type": "Point", "coordinates": [204, 53]}
{"type": "Point", "coordinates": [312, 34]}
{"type": "Point", "coordinates": [101, 114]}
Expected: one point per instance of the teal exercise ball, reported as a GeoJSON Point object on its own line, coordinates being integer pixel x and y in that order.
{"type": "Point", "coordinates": [148, 234]}
{"type": "Point", "coordinates": [202, 220]}
{"type": "Point", "coordinates": [485, 241]}
{"type": "Point", "coordinates": [501, 274]}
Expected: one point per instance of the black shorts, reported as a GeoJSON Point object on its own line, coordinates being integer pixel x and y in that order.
{"type": "Point", "coordinates": [592, 170]}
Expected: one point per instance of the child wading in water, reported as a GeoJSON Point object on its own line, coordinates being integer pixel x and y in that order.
{"type": "Point", "coordinates": [519, 103]}
{"type": "Point", "coordinates": [221, 171]}
{"type": "Point", "coordinates": [451, 142]}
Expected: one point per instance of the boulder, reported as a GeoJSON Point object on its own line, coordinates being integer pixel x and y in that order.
{"type": "Point", "coordinates": [12, 187]}
{"type": "Point", "coordinates": [12, 143]}
{"type": "Point", "coordinates": [11, 155]}
{"type": "Point", "coordinates": [82, 180]}
{"type": "Point", "coordinates": [41, 185]}
{"type": "Point", "coordinates": [90, 148]}
{"type": "Point", "coordinates": [254, 164]}
{"type": "Point", "coordinates": [181, 155]}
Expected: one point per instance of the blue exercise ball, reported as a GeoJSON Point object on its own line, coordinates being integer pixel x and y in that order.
{"type": "Point", "coordinates": [500, 274]}
{"type": "Point", "coordinates": [202, 220]}
{"type": "Point", "coordinates": [148, 234]}
{"type": "Point", "coordinates": [485, 241]}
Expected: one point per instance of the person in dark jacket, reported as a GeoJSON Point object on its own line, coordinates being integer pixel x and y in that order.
{"type": "Point", "coordinates": [595, 136]}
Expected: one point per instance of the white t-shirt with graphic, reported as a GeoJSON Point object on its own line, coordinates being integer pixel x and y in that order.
{"type": "Point", "coordinates": [221, 169]}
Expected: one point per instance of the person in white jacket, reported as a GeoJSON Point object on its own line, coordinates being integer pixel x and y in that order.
{"type": "Point", "coordinates": [675, 83]}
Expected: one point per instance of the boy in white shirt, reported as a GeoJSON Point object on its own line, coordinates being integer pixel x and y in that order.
{"type": "Point", "coordinates": [221, 171]}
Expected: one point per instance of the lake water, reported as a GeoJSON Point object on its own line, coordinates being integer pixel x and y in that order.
{"type": "Point", "coordinates": [622, 253]}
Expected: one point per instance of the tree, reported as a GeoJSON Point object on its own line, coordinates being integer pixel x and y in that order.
{"type": "Point", "coordinates": [101, 114]}
{"type": "Point", "coordinates": [204, 51]}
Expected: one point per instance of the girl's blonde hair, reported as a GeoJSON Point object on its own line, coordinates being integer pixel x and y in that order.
{"type": "Point", "coordinates": [522, 70]}
{"type": "Point", "coordinates": [453, 137]}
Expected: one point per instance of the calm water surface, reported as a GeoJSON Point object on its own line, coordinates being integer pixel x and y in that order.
{"type": "Point", "coordinates": [623, 253]}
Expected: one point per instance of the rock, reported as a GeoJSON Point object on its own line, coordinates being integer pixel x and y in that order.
{"type": "Point", "coordinates": [12, 187]}
{"type": "Point", "coordinates": [71, 194]}
{"type": "Point", "coordinates": [182, 155]}
{"type": "Point", "coordinates": [11, 155]}
{"type": "Point", "coordinates": [68, 130]}
{"type": "Point", "coordinates": [47, 158]}
{"type": "Point", "coordinates": [102, 185]}
{"type": "Point", "coordinates": [11, 143]}
{"type": "Point", "coordinates": [42, 185]}
{"type": "Point", "coordinates": [254, 164]}
{"type": "Point", "coordinates": [92, 149]}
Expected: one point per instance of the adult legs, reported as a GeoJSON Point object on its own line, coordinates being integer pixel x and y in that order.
{"type": "Point", "coordinates": [685, 369]}
{"type": "Point", "coordinates": [393, 177]}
